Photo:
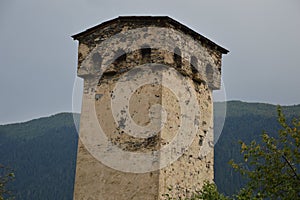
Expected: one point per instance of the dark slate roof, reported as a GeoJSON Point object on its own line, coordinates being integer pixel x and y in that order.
{"type": "Point", "coordinates": [160, 19]}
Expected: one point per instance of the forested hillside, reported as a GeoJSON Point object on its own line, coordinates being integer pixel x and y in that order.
{"type": "Point", "coordinates": [42, 152]}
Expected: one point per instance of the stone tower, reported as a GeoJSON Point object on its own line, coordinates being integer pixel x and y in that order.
{"type": "Point", "coordinates": [146, 126]}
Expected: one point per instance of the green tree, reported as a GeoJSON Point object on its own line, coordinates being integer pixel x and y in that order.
{"type": "Point", "coordinates": [6, 175]}
{"type": "Point", "coordinates": [272, 166]}
{"type": "Point", "coordinates": [209, 192]}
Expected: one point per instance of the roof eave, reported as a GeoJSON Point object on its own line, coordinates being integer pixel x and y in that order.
{"type": "Point", "coordinates": [170, 20]}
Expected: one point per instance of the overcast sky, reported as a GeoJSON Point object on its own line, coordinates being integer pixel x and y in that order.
{"type": "Point", "coordinates": [38, 57]}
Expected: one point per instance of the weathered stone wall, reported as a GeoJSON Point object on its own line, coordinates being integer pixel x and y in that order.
{"type": "Point", "coordinates": [187, 174]}
{"type": "Point", "coordinates": [119, 50]}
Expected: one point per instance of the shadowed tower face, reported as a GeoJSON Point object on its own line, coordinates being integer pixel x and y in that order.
{"type": "Point", "coordinates": [147, 111]}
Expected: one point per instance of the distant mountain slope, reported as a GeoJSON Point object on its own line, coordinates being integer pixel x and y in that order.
{"type": "Point", "coordinates": [43, 151]}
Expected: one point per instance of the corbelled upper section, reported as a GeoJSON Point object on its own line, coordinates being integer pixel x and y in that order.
{"type": "Point", "coordinates": [118, 45]}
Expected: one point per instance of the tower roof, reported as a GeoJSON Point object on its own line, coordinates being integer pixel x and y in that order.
{"type": "Point", "coordinates": [157, 20]}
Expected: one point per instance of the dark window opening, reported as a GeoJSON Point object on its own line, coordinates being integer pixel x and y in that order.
{"type": "Point", "coordinates": [146, 53]}
{"type": "Point", "coordinates": [194, 64]}
{"type": "Point", "coordinates": [177, 57]}
{"type": "Point", "coordinates": [109, 73]}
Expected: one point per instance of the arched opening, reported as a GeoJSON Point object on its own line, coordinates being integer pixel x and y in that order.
{"type": "Point", "coordinates": [177, 57]}
{"type": "Point", "coordinates": [120, 56]}
{"type": "Point", "coordinates": [194, 64]}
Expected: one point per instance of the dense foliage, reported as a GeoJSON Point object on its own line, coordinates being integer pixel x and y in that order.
{"type": "Point", "coordinates": [209, 191]}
